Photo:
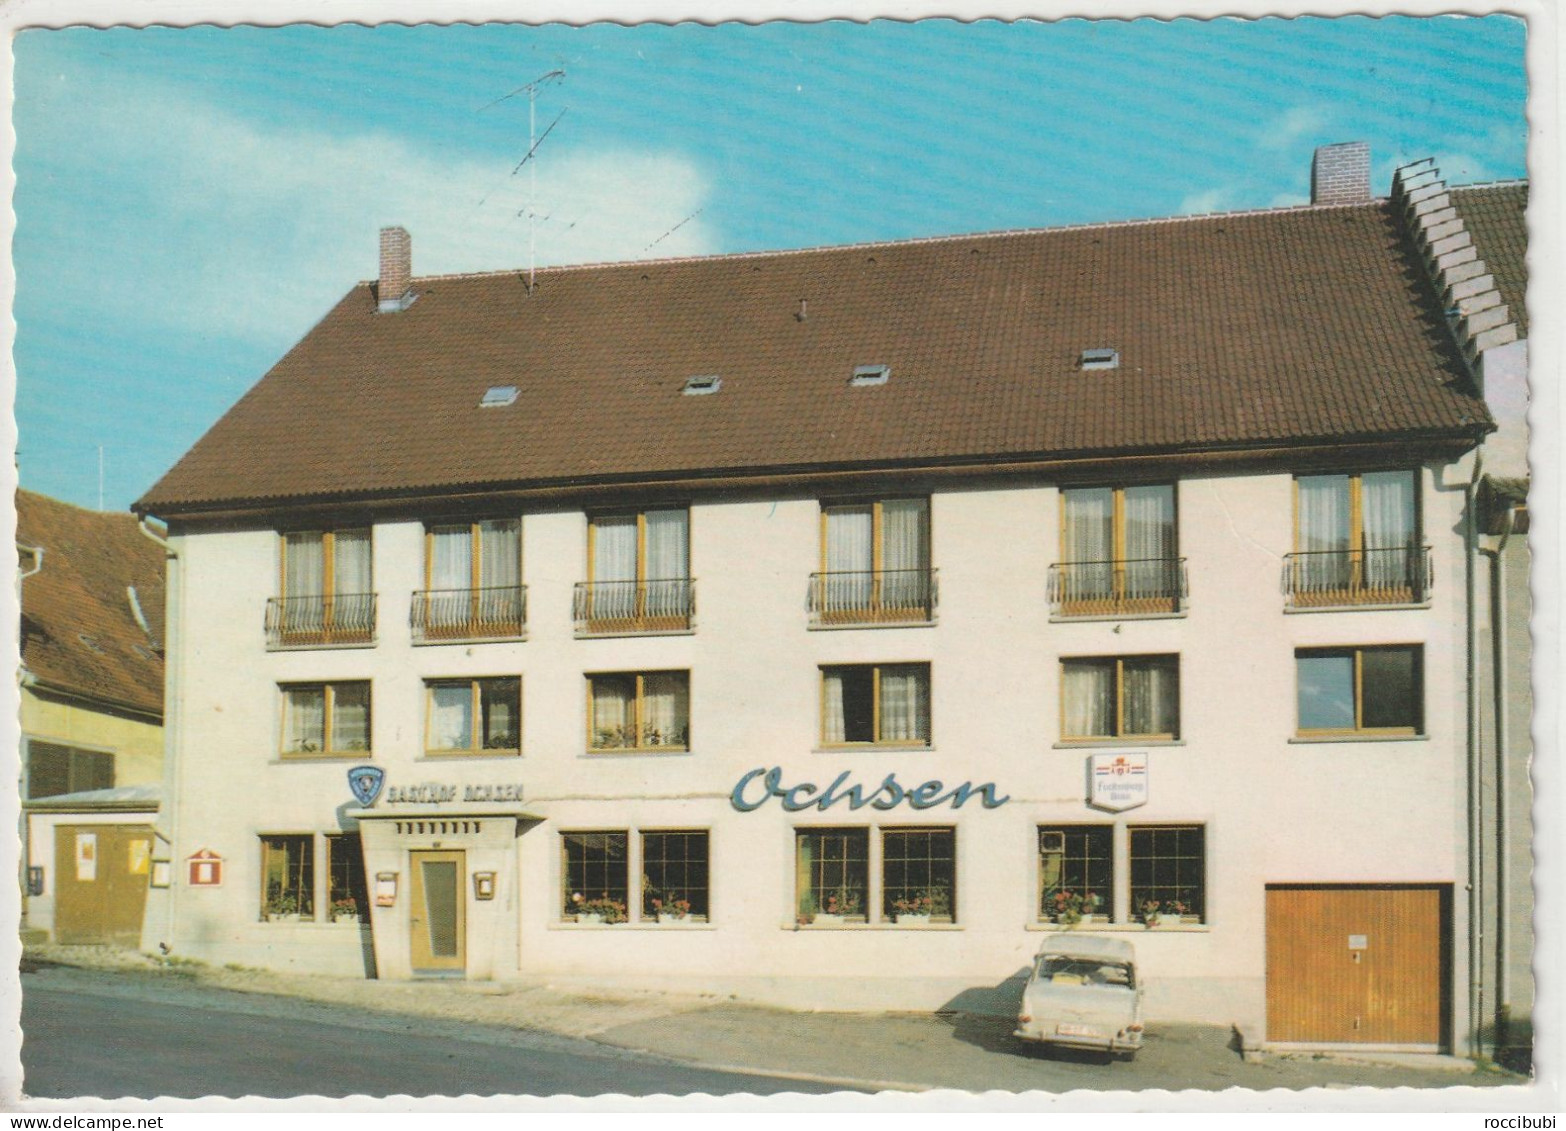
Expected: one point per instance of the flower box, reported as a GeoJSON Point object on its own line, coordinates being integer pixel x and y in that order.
{"type": "Point", "coordinates": [912, 919]}
{"type": "Point", "coordinates": [827, 919]}
{"type": "Point", "coordinates": [675, 921]}
{"type": "Point", "coordinates": [590, 919]}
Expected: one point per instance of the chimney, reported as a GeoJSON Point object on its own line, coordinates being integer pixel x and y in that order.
{"type": "Point", "coordinates": [1340, 174]}
{"type": "Point", "coordinates": [394, 292]}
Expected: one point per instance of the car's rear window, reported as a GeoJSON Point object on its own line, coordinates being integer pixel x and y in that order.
{"type": "Point", "coordinates": [1061, 971]}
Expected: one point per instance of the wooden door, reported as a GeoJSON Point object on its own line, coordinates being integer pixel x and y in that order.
{"type": "Point", "coordinates": [437, 922]}
{"type": "Point", "coordinates": [1357, 964]}
{"type": "Point", "coordinates": [100, 883]}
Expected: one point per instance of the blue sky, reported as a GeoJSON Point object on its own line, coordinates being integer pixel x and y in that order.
{"type": "Point", "coordinates": [189, 201]}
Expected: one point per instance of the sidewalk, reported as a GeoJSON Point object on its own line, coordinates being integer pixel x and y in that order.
{"type": "Point", "coordinates": [902, 1052]}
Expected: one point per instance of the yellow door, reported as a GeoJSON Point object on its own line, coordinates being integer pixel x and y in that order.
{"type": "Point", "coordinates": [1357, 965]}
{"type": "Point", "coordinates": [437, 923]}
{"type": "Point", "coordinates": [100, 883]}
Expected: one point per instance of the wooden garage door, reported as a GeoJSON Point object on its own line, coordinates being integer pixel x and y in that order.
{"type": "Point", "coordinates": [100, 883]}
{"type": "Point", "coordinates": [1357, 964]}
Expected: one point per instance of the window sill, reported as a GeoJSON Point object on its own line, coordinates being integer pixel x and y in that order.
{"type": "Point", "coordinates": [621, 634]}
{"type": "Point", "coordinates": [1121, 928]}
{"type": "Point", "coordinates": [1366, 608]}
{"type": "Point", "coordinates": [1311, 740]}
{"type": "Point", "coordinates": [905, 928]}
{"type": "Point", "coordinates": [637, 752]}
{"type": "Point", "coordinates": [1118, 743]}
{"type": "Point", "coordinates": [1089, 618]}
{"type": "Point", "coordinates": [317, 646]}
{"type": "Point", "coordinates": [884, 747]}
{"type": "Point", "coordinates": [433, 642]}
{"type": "Point", "coordinates": [332, 756]}
{"type": "Point", "coordinates": [872, 624]}
{"type": "Point", "coordinates": [465, 755]}
{"type": "Point", "coordinates": [671, 928]}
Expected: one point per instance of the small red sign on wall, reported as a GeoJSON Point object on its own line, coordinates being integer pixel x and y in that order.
{"type": "Point", "coordinates": [206, 869]}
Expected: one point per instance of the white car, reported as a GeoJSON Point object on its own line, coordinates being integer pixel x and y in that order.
{"type": "Point", "coordinates": [1083, 994]}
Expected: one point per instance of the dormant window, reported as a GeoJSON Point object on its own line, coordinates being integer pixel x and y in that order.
{"type": "Point", "coordinates": [632, 711]}
{"type": "Point", "coordinates": [474, 716]}
{"type": "Point", "coordinates": [887, 704]}
{"type": "Point", "coordinates": [1110, 697]}
{"type": "Point", "coordinates": [638, 576]}
{"type": "Point", "coordinates": [473, 575]}
{"type": "Point", "coordinates": [1119, 552]}
{"type": "Point", "coordinates": [1169, 873]}
{"type": "Point", "coordinates": [288, 877]}
{"type": "Point", "coordinates": [675, 875]}
{"type": "Point", "coordinates": [1371, 690]}
{"type": "Point", "coordinates": [875, 563]}
{"type": "Point", "coordinates": [1076, 873]}
{"type": "Point", "coordinates": [327, 592]}
{"type": "Point", "coordinates": [325, 719]}
{"type": "Point", "coordinates": [1357, 540]}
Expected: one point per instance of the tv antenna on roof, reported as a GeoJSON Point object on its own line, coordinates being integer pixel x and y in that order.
{"type": "Point", "coordinates": [533, 142]}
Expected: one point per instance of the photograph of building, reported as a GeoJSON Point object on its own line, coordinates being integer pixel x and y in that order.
{"type": "Point", "coordinates": [831, 626]}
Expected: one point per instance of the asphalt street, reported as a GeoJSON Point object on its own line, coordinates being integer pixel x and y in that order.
{"type": "Point", "coordinates": [90, 1033]}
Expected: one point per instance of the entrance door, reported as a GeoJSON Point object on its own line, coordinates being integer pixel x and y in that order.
{"type": "Point", "coordinates": [436, 922]}
{"type": "Point", "coordinates": [100, 883]}
{"type": "Point", "coordinates": [1357, 965]}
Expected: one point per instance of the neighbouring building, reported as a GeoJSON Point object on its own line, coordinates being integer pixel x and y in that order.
{"type": "Point", "coordinates": [832, 626]}
{"type": "Point", "coordinates": [91, 758]}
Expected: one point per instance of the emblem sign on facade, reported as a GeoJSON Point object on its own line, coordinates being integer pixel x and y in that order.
{"type": "Point", "coordinates": [1117, 782]}
{"type": "Point", "coordinates": [206, 869]}
{"type": "Point", "coordinates": [366, 782]}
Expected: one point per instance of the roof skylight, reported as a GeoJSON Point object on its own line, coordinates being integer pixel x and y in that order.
{"type": "Point", "coordinates": [870, 375]}
{"type": "Point", "coordinates": [498, 396]}
{"type": "Point", "coordinates": [701, 386]}
{"type": "Point", "coordinates": [1101, 359]}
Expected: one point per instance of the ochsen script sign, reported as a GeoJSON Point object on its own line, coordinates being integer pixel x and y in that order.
{"type": "Point", "coordinates": [1117, 781]}
{"type": "Point", "coordinates": [758, 787]}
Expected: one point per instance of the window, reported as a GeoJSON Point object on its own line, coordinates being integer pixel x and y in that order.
{"type": "Point", "coordinates": [875, 564]}
{"type": "Point", "coordinates": [832, 870]}
{"type": "Point", "coordinates": [1100, 359]}
{"type": "Point", "coordinates": [327, 592]}
{"type": "Point", "coordinates": [1372, 690]}
{"type": "Point", "coordinates": [595, 874]}
{"type": "Point", "coordinates": [1119, 552]}
{"type": "Point", "coordinates": [1108, 697]}
{"type": "Point", "coordinates": [870, 375]}
{"type": "Point", "coordinates": [638, 577]}
{"type": "Point", "coordinates": [1357, 541]}
{"type": "Point", "coordinates": [473, 572]}
{"type": "Point", "coordinates": [54, 769]}
{"type": "Point", "coordinates": [703, 385]}
{"type": "Point", "coordinates": [1076, 873]}
{"type": "Point", "coordinates": [876, 703]}
{"type": "Point", "coordinates": [474, 716]}
{"type": "Point", "coordinates": [498, 396]}
{"type": "Point", "coordinates": [638, 711]}
{"type": "Point", "coordinates": [674, 875]}
{"type": "Point", "coordinates": [346, 893]}
{"type": "Point", "coordinates": [288, 877]}
{"type": "Point", "coordinates": [1168, 873]}
{"type": "Point", "coordinates": [324, 719]}
{"type": "Point", "coordinates": [919, 874]}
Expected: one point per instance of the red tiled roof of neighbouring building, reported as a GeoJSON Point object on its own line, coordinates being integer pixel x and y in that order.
{"type": "Point", "coordinates": [1496, 216]}
{"type": "Point", "coordinates": [1311, 325]}
{"type": "Point", "coordinates": [89, 560]}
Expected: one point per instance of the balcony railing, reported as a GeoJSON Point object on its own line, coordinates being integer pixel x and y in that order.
{"type": "Point", "coordinates": [1321, 579]}
{"type": "Point", "coordinates": [888, 596]}
{"type": "Point", "coordinates": [450, 615]}
{"type": "Point", "coordinates": [1132, 587]}
{"type": "Point", "coordinates": [611, 608]}
{"type": "Point", "coordinates": [321, 621]}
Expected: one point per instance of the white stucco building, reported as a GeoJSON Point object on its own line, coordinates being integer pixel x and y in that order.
{"type": "Point", "coordinates": [830, 626]}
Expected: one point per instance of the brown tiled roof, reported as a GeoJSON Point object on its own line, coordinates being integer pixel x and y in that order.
{"type": "Point", "coordinates": [1496, 216]}
{"type": "Point", "coordinates": [88, 560]}
{"type": "Point", "coordinates": [1233, 330]}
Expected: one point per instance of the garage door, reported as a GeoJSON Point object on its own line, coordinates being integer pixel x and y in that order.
{"type": "Point", "coordinates": [100, 887]}
{"type": "Point", "coordinates": [1358, 964]}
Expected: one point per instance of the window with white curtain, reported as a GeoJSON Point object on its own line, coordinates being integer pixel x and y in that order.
{"type": "Point", "coordinates": [875, 703]}
{"type": "Point", "coordinates": [475, 555]}
{"type": "Point", "coordinates": [326, 581]}
{"type": "Point", "coordinates": [1119, 544]}
{"type": "Point", "coordinates": [638, 710]}
{"type": "Point", "coordinates": [1357, 531]}
{"type": "Point", "coordinates": [639, 566]}
{"type": "Point", "coordinates": [875, 556]}
{"type": "Point", "coordinates": [474, 716]}
{"type": "Point", "coordinates": [1105, 697]}
{"type": "Point", "coordinates": [325, 719]}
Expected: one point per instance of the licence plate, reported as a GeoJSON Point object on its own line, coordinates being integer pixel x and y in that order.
{"type": "Point", "coordinates": [1067, 1030]}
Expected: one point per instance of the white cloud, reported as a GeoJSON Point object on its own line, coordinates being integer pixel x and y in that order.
{"type": "Point", "coordinates": [188, 218]}
{"type": "Point", "coordinates": [1210, 200]}
{"type": "Point", "coordinates": [1293, 125]}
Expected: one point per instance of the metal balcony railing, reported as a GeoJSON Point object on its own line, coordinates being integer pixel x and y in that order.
{"type": "Point", "coordinates": [442, 615]}
{"type": "Point", "coordinates": [1319, 579]}
{"type": "Point", "coordinates": [888, 596]}
{"type": "Point", "coordinates": [1130, 587]}
{"type": "Point", "coordinates": [616, 607]}
{"type": "Point", "coordinates": [321, 621]}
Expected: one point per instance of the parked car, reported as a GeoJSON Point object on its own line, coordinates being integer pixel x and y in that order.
{"type": "Point", "coordinates": [1083, 993]}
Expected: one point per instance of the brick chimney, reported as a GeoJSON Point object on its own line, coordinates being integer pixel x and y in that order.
{"type": "Point", "coordinates": [1340, 174]}
{"type": "Point", "coordinates": [394, 290]}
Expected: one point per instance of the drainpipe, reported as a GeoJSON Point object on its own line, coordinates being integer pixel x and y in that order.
{"type": "Point", "coordinates": [1475, 783]}
{"type": "Point", "coordinates": [1503, 997]}
{"type": "Point", "coordinates": [172, 623]}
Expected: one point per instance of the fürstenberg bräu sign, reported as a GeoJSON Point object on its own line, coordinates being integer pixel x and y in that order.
{"type": "Point", "coordinates": [758, 787]}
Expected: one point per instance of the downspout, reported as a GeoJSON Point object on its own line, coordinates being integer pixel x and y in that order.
{"type": "Point", "coordinates": [1503, 997]}
{"type": "Point", "coordinates": [172, 639]}
{"type": "Point", "coordinates": [1475, 800]}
